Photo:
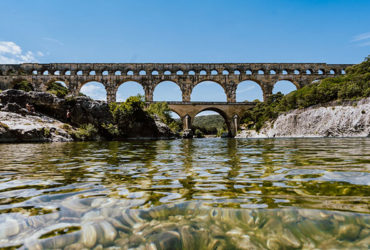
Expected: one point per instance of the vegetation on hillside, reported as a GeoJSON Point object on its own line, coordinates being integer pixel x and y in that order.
{"type": "Point", "coordinates": [126, 115]}
{"type": "Point", "coordinates": [209, 124]}
{"type": "Point", "coordinates": [85, 132]}
{"type": "Point", "coordinates": [162, 110]}
{"type": "Point", "coordinates": [354, 85]}
{"type": "Point", "coordinates": [23, 85]}
{"type": "Point", "coordinates": [131, 115]}
{"type": "Point", "coordinates": [57, 89]}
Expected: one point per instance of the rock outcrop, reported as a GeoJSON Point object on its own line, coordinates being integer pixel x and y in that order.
{"type": "Point", "coordinates": [351, 119]}
{"type": "Point", "coordinates": [83, 109]}
{"type": "Point", "coordinates": [16, 127]}
{"type": "Point", "coordinates": [48, 121]}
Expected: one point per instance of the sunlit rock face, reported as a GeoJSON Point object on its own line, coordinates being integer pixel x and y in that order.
{"type": "Point", "coordinates": [47, 122]}
{"type": "Point", "coordinates": [351, 119]}
{"type": "Point", "coordinates": [83, 109]}
{"type": "Point", "coordinates": [31, 128]}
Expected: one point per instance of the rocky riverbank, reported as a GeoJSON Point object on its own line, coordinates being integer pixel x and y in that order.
{"type": "Point", "coordinates": [349, 119]}
{"type": "Point", "coordinates": [48, 121]}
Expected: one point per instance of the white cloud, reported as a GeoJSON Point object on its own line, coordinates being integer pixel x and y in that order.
{"type": "Point", "coordinates": [94, 90]}
{"type": "Point", "coordinates": [53, 40]}
{"type": "Point", "coordinates": [365, 44]}
{"type": "Point", "coordinates": [11, 53]}
{"type": "Point", "coordinates": [246, 89]}
{"type": "Point", "coordinates": [360, 37]}
{"type": "Point", "coordinates": [362, 40]}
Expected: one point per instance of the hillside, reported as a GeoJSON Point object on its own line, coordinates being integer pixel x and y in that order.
{"type": "Point", "coordinates": [209, 124]}
{"type": "Point", "coordinates": [333, 107]}
{"type": "Point", "coordinates": [355, 85]}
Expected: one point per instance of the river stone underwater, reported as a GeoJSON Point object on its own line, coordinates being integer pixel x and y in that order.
{"type": "Point", "coordinates": [187, 194]}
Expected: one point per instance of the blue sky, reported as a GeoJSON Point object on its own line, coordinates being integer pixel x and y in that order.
{"type": "Point", "coordinates": [184, 31]}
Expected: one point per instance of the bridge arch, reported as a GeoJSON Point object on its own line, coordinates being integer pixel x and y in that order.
{"type": "Point", "coordinates": [93, 89]}
{"type": "Point", "coordinates": [167, 91]}
{"type": "Point", "coordinates": [285, 86]}
{"type": "Point", "coordinates": [249, 90]}
{"type": "Point", "coordinates": [200, 91]}
{"type": "Point", "coordinates": [221, 113]}
{"type": "Point", "coordinates": [59, 79]}
{"type": "Point", "coordinates": [128, 88]}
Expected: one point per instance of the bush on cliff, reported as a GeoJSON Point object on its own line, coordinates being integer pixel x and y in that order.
{"type": "Point", "coordinates": [198, 133]}
{"type": "Point", "coordinates": [23, 85]}
{"type": "Point", "coordinates": [162, 110]}
{"type": "Point", "coordinates": [85, 132]}
{"type": "Point", "coordinates": [354, 85]}
{"type": "Point", "coordinates": [57, 89]}
{"type": "Point", "coordinates": [209, 124]}
{"type": "Point", "coordinates": [129, 118]}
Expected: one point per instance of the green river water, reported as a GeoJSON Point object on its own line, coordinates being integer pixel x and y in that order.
{"type": "Point", "coordinates": [187, 194]}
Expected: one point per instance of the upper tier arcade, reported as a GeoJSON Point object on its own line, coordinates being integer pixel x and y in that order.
{"type": "Point", "coordinates": [149, 75]}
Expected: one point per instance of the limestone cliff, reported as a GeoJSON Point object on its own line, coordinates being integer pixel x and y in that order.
{"type": "Point", "coordinates": [351, 119]}
{"type": "Point", "coordinates": [16, 127]}
{"type": "Point", "coordinates": [48, 123]}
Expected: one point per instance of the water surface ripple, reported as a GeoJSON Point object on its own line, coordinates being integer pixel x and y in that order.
{"type": "Point", "coordinates": [45, 182]}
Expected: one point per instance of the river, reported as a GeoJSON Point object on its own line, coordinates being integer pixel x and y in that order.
{"type": "Point", "coordinates": [187, 194]}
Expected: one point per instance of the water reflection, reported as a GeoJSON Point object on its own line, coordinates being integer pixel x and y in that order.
{"type": "Point", "coordinates": [45, 189]}
{"type": "Point", "coordinates": [315, 173]}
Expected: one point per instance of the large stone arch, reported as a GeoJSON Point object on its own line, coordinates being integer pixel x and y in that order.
{"type": "Point", "coordinates": [249, 80]}
{"type": "Point", "coordinates": [227, 118]}
{"type": "Point", "coordinates": [292, 82]}
{"type": "Point", "coordinates": [158, 83]}
{"type": "Point", "coordinates": [58, 79]}
{"type": "Point", "coordinates": [121, 83]}
{"type": "Point", "coordinates": [108, 98]}
{"type": "Point", "coordinates": [223, 86]}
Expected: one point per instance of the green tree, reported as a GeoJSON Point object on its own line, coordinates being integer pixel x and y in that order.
{"type": "Point", "coordinates": [23, 85]}
{"type": "Point", "coordinates": [354, 85]}
{"type": "Point", "coordinates": [57, 89]}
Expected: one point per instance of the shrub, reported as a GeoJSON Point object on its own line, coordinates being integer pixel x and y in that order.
{"type": "Point", "coordinates": [23, 85]}
{"type": "Point", "coordinates": [220, 132]}
{"type": "Point", "coordinates": [112, 129]}
{"type": "Point", "coordinates": [198, 133]}
{"type": "Point", "coordinates": [46, 132]}
{"type": "Point", "coordinates": [354, 85]}
{"type": "Point", "coordinates": [175, 126]}
{"type": "Point", "coordinates": [162, 110]}
{"type": "Point", "coordinates": [4, 125]}
{"type": "Point", "coordinates": [85, 132]}
{"type": "Point", "coordinates": [128, 114]}
{"type": "Point", "coordinates": [57, 89]}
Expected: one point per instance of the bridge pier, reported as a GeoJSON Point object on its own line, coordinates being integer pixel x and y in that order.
{"type": "Point", "coordinates": [148, 89]}
{"type": "Point", "coordinates": [111, 93]}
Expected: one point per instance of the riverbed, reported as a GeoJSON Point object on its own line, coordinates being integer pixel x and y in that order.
{"type": "Point", "coordinates": [187, 194]}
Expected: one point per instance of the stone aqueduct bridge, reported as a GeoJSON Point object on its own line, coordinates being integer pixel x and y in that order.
{"type": "Point", "coordinates": [185, 75]}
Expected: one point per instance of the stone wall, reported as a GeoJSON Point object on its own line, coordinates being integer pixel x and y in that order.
{"type": "Point", "coordinates": [185, 75]}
